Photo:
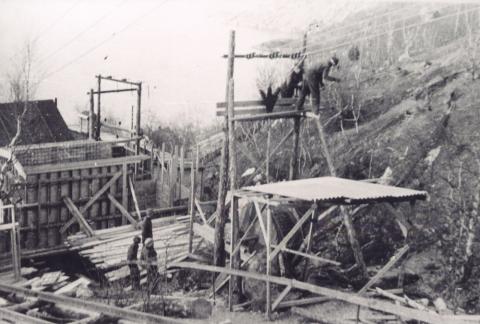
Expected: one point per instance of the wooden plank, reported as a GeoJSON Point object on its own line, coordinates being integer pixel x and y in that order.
{"type": "Point", "coordinates": [376, 304]}
{"type": "Point", "coordinates": [16, 317]}
{"type": "Point", "coordinates": [249, 103]}
{"type": "Point", "coordinates": [97, 307]}
{"type": "Point", "coordinates": [134, 197]}
{"type": "Point", "coordinates": [313, 257]}
{"type": "Point", "coordinates": [303, 302]}
{"type": "Point", "coordinates": [97, 195]}
{"type": "Point", "coordinates": [46, 168]}
{"type": "Point", "coordinates": [122, 210]}
{"type": "Point", "coordinates": [200, 211]}
{"type": "Point", "coordinates": [77, 215]}
{"type": "Point", "coordinates": [272, 115]}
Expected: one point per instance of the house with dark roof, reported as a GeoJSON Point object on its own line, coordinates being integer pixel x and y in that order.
{"type": "Point", "coordinates": [42, 123]}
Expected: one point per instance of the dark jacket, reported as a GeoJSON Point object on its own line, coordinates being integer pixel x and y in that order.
{"type": "Point", "coordinates": [132, 252]}
{"type": "Point", "coordinates": [146, 229]}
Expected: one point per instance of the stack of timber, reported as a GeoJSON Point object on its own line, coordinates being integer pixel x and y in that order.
{"type": "Point", "coordinates": [107, 249]}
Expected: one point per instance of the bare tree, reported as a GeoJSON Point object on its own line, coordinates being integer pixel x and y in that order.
{"type": "Point", "coordinates": [21, 88]}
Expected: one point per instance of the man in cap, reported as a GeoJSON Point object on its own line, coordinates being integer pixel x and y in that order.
{"type": "Point", "coordinates": [149, 261]}
{"type": "Point", "coordinates": [132, 263]}
{"type": "Point", "coordinates": [147, 228]}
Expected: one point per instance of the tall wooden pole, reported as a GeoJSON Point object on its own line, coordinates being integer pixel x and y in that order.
{"type": "Point", "coordinates": [234, 287]}
{"type": "Point", "coordinates": [91, 119]}
{"type": "Point", "coordinates": [139, 110]}
{"type": "Point", "coordinates": [268, 307]}
{"type": "Point", "coordinates": [99, 118]}
{"type": "Point", "coordinates": [219, 243]}
{"type": "Point", "coordinates": [296, 129]}
{"type": "Point", "coordinates": [193, 177]}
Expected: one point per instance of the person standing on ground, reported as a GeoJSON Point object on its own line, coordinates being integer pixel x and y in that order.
{"type": "Point", "coordinates": [132, 263]}
{"type": "Point", "coordinates": [147, 228]}
{"type": "Point", "coordinates": [149, 261]}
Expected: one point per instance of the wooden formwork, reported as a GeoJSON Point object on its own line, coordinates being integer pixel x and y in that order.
{"type": "Point", "coordinates": [98, 188]}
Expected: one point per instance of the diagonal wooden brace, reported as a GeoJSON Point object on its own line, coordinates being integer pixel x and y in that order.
{"type": "Point", "coordinates": [77, 215]}
{"type": "Point", "coordinates": [92, 200]}
{"type": "Point", "coordinates": [122, 210]}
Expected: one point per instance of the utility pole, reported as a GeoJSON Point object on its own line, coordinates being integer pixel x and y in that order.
{"type": "Point", "coordinates": [219, 241]}
{"type": "Point", "coordinates": [99, 119]}
{"type": "Point", "coordinates": [91, 119]}
{"type": "Point", "coordinates": [139, 105]}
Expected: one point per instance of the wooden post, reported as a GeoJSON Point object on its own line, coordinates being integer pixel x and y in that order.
{"type": "Point", "coordinates": [268, 308]}
{"type": "Point", "coordinates": [193, 175]}
{"type": "Point", "coordinates": [131, 123]}
{"type": "Point", "coordinates": [124, 191]}
{"type": "Point", "coordinates": [15, 248]}
{"type": "Point", "coordinates": [296, 128]}
{"type": "Point", "coordinates": [234, 287]}
{"type": "Point", "coordinates": [173, 176]}
{"type": "Point", "coordinates": [139, 109]}
{"type": "Point", "coordinates": [182, 166]}
{"type": "Point", "coordinates": [99, 118]}
{"type": "Point", "coordinates": [162, 164]}
{"type": "Point", "coordinates": [267, 172]}
{"type": "Point", "coordinates": [219, 243]}
{"type": "Point", "coordinates": [91, 119]}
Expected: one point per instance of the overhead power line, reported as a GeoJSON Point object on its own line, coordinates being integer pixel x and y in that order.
{"type": "Point", "coordinates": [104, 41]}
{"type": "Point", "coordinates": [56, 21]}
{"type": "Point", "coordinates": [90, 27]}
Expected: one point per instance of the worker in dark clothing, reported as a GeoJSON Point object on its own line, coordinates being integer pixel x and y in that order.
{"type": "Point", "coordinates": [132, 263]}
{"type": "Point", "coordinates": [149, 261]}
{"type": "Point", "coordinates": [146, 228]}
{"type": "Point", "coordinates": [312, 81]}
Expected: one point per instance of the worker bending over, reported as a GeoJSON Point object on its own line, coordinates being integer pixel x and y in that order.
{"type": "Point", "coordinates": [132, 263]}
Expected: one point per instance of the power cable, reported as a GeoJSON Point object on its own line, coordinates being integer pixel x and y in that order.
{"type": "Point", "coordinates": [99, 44]}
{"type": "Point", "coordinates": [91, 26]}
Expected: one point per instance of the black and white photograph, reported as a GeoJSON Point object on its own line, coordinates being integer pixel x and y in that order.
{"type": "Point", "coordinates": [231, 162]}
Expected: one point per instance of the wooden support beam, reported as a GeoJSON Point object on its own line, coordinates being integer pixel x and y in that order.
{"type": "Point", "coordinates": [376, 304]}
{"type": "Point", "coordinates": [258, 213]}
{"type": "Point", "coordinates": [122, 210]}
{"type": "Point", "coordinates": [134, 197]}
{"type": "Point", "coordinates": [92, 200]}
{"type": "Point", "coordinates": [280, 297]}
{"type": "Point", "coordinates": [272, 115]}
{"type": "Point", "coordinates": [15, 243]}
{"type": "Point", "coordinates": [313, 257]}
{"type": "Point", "coordinates": [268, 310]}
{"type": "Point", "coordinates": [296, 227]}
{"type": "Point", "coordinates": [393, 260]}
{"type": "Point", "coordinates": [303, 302]}
{"type": "Point", "coordinates": [182, 171]}
{"type": "Point", "coordinates": [200, 211]}
{"type": "Point", "coordinates": [124, 192]}
{"type": "Point", "coordinates": [193, 188]}
{"type": "Point", "coordinates": [77, 215]}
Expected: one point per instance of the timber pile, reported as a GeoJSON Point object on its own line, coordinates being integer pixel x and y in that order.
{"type": "Point", "coordinates": [107, 249]}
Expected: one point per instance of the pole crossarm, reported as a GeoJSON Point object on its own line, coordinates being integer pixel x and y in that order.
{"type": "Point", "coordinates": [110, 78]}
{"type": "Point", "coordinates": [113, 91]}
{"type": "Point", "coordinates": [272, 55]}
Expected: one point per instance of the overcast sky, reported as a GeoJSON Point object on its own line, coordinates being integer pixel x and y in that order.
{"type": "Point", "coordinates": [174, 47]}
